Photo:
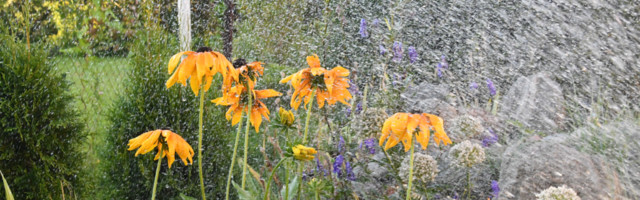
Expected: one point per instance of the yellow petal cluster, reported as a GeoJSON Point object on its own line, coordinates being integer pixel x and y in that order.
{"type": "Point", "coordinates": [304, 153]}
{"type": "Point", "coordinates": [236, 98]}
{"type": "Point", "coordinates": [174, 144]}
{"type": "Point", "coordinates": [286, 117]}
{"type": "Point", "coordinates": [331, 85]}
{"type": "Point", "coordinates": [199, 67]}
{"type": "Point", "coordinates": [401, 126]}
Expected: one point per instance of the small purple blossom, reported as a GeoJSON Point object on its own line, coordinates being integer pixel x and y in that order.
{"type": "Point", "coordinates": [375, 22]}
{"type": "Point", "coordinates": [397, 51]}
{"type": "Point", "coordinates": [350, 175]}
{"type": "Point", "coordinates": [491, 139]}
{"type": "Point", "coordinates": [413, 54]}
{"type": "Point", "coordinates": [495, 188]}
{"type": "Point", "coordinates": [473, 85]}
{"type": "Point", "coordinates": [337, 165]}
{"type": "Point", "coordinates": [382, 50]}
{"type": "Point", "coordinates": [347, 112]}
{"type": "Point", "coordinates": [363, 28]}
{"type": "Point", "coordinates": [353, 88]}
{"type": "Point", "coordinates": [370, 144]}
{"type": "Point", "coordinates": [443, 61]}
{"type": "Point", "coordinates": [439, 67]}
{"type": "Point", "coordinates": [492, 88]}
{"type": "Point", "coordinates": [358, 108]}
{"type": "Point", "coordinates": [319, 168]}
{"type": "Point", "coordinates": [341, 144]}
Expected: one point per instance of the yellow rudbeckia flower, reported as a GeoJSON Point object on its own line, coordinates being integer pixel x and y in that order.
{"type": "Point", "coordinates": [199, 67]}
{"type": "Point", "coordinates": [168, 145]}
{"type": "Point", "coordinates": [236, 98]}
{"type": "Point", "coordinates": [303, 153]}
{"type": "Point", "coordinates": [402, 126]}
{"type": "Point", "coordinates": [331, 85]}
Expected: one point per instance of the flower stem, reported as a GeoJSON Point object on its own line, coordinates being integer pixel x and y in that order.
{"type": "Point", "coordinates": [410, 173]}
{"type": "Point", "coordinates": [202, 92]}
{"type": "Point", "coordinates": [306, 122]}
{"type": "Point", "coordinates": [468, 191]}
{"type": "Point", "coordinates": [304, 139]}
{"type": "Point", "coordinates": [268, 188]}
{"type": "Point", "coordinates": [286, 176]}
{"type": "Point", "coordinates": [155, 180]}
{"type": "Point", "coordinates": [246, 138]}
{"type": "Point", "coordinates": [233, 158]}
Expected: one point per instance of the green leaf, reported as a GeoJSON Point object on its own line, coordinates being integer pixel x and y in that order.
{"type": "Point", "coordinates": [293, 187]}
{"type": "Point", "coordinates": [242, 194]}
{"type": "Point", "coordinates": [7, 191]}
{"type": "Point", "coordinates": [185, 197]}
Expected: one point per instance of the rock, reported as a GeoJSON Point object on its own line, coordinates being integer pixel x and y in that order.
{"type": "Point", "coordinates": [535, 102]}
{"type": "Point", "coordinates": [591, 161]}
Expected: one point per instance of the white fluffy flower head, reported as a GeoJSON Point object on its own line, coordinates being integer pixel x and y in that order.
{"type": "Point", "coordinates": [425, 168]}
{"type": "Point", "coordinates": [467, 154]}
{"type": "Point", "coordinates": [558, 193]}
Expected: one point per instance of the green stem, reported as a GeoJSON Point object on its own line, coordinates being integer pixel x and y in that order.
{"type": "Point", "coordinates": [317, 193]}
{"type": "Point", "coordinates": [155, 180]}
{"type": "Point", "coordinates": [304, 138]}
{"type": "Point", "coordinates": [246, 138]}
{"type": "Point", "coordinates": [410, 173]}
{"type": "Point", "coordinates": [268, 188]}
{"type": "Point", "coordinates": [306, 122]}
{"type": "Point", "coordinates": [202, 92]}
{"type": "Point", "coordinates": [233, 158]}
{"type": "Point", "coordinates": [468, 192]}
{"type": "Point", "coordinates": [286, 176]}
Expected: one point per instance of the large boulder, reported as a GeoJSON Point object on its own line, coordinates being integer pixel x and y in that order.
{"type": "Point", "coordinates": [597, 162]}
{"type": "Point", "coordinates": [535, 102]}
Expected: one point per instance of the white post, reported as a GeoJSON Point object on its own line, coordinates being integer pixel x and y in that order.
{"type": "Point", "coordinates": [184, 20]}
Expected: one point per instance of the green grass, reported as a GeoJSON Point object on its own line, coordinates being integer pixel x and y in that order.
{"type": "Point", "coordinates": [96, 84]}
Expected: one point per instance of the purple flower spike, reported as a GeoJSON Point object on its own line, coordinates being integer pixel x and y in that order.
{"type": "Point", "coordinates": [363, 28]}
{"type": "Point", "coordinates": [319, 168]}
{"type": "Point", "coordinates": [350, 175]}
{"type": "Point", "coordinates": [397, 52]}
{"type": "Point", "coordinates": [413, 54]}
{"type": "Point", "coordinates": [489, 140]}
{"type": "Point", "coordinates": [495, 188]}
{"type": "Point", "coordinates": [473, 85]}
{"type": "Point", "coordinates": [358, 108]}
{"type": "Point", "coordinates": [439, 66]}
{"type": "Point", "coordinates": [382, 50]}
{"type": "Point", "coordinates": [337, 165]}
{"type": "Point", "coordinates": [347, 112]}
{"type": "Point", "coordinates": [443, 60]}
{"type": "Point", "coordinates": [492, 88]}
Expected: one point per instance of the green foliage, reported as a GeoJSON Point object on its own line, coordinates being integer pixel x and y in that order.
{"type": "Point", "coordinates": [146, 105]}
{"type": "Point", "coordinates": [40, 132]}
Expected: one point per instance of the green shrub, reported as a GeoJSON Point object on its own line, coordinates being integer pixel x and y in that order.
{"type": "Point", "coordinates": [39, 131]}
{"type": "Point", "coordinates": [148, 105]}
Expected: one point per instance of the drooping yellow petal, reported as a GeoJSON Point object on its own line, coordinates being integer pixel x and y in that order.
{"type": "Point", "coordinates": [150, 143]}
{"type": "Point", "coordinates": [313, 61]}
{"type": "Point", "coordinates": [172, 80]}
{"type": "Point", "coordinates": [195, 84]}
{"type": "Point", "coordinates": [237, 116]}
{"type": "Point", "coordinates": [262, 94]}
{"type": "Point", "coordinates": [137, 141]}
{"type": "Point", "coordinates": [173, 62]}
{"type": "Point", "coordinates": [256, 119]}
{"type": "Point", "coordinates": [187, 67]}
{"type": "Point", "coordinates": [203, 62]}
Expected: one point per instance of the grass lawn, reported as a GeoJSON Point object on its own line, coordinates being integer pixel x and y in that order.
{"type": "Point", "coordinates": [96, 84]}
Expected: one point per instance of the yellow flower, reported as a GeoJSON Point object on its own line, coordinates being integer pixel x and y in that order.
{"type": "Point", "coordinates": [199, 67]}
{"type": "Point", "coordinates": [237, 99]}
{"type": "Point", "coordinates": [286, 117]}
{"type": "Point", "coordinates": [168, 145]}
{"type": "Point", "coordinates": [402, 126]}
{"type": "Point", "coordinates": [301, 152]}
{"type": "Point", "coordinates": [331, 85]}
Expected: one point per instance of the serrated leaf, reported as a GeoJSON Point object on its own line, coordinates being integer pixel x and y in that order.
{"type": "Point", "coordinates": [293, 186]}
{"type": "Point", "coordinates": [7, 191]}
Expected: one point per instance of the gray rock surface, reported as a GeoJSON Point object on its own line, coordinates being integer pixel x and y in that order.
{"type": "Point", "coordinates": [597, 162]}
{"type": "Point", "coordinates": [535, 102]}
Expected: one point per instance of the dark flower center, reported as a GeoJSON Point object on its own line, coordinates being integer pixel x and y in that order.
{"type": "Point", "coordinates": [239, 63]}
{"type": "Point", "coordinates": [204, 49]}
{"type": "Point", "coordinates": [415, 111]}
